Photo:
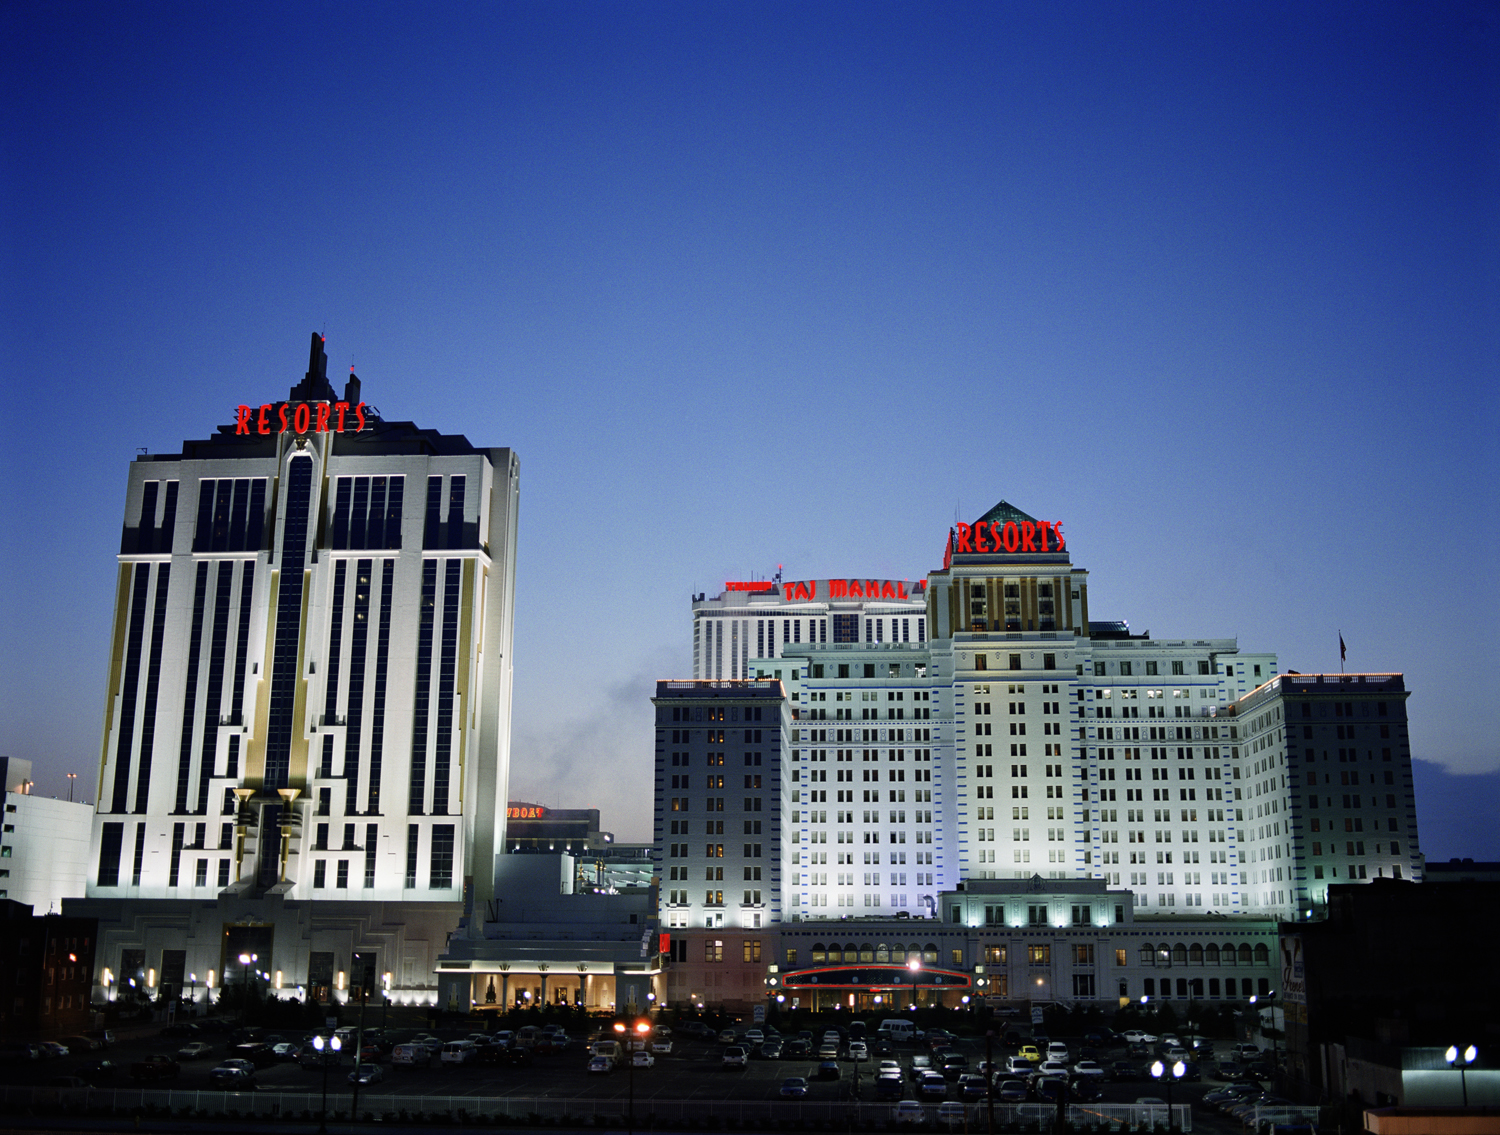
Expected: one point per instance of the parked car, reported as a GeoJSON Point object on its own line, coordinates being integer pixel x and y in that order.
{"type": "Point", "coordinates": [828, 1070]}
{"type": "Point", "coordinates": [1088, 1068]}
{"type": "Point", "coordinates": [661, 1045]}
{"type": "Point", "coordinates": [735, 1056]}
{"type": "Point", "coordinates": [1057, 1050]}
{"type": "Point", "coordinates": [858, 1051]}
{"type": "Point", "coordinates": [972, 1086]}
{"type": "Point", "coordinates": [1012, 1091]}
{"type": "Point", "coordinates": [155, 1068]}
{"type": "Point", "coordinates": [951, 1114]}
{"type": "Point", "coordinates": [1136, 1036]}
{"type": "Point", "coordinates": [1031, 1053]}
{"type": "Point", "coordinates": [908, 1113]}
{"type": "Point", "coordinates": [797, 1049]}
{"type": "Point", "coordinates": [642, 1059]}
{"type": "Point", "coordinates": [194, 1050]}
{"type": "Point", "coordinates": [1123, 1071]}
{"type": "Point", "coordinates": [794, 1087]}
{"type": "Point", "coordinates": [78, 1045]}
{"type": "Point", "coordinates": [99, 1071]}
{"type": "Point", "coordinates": [600, 1064]}
{"type": "Point", "coordinates": [234, 1074]}
{"type": "Point", "coordinates": [933, 1086]}
{"type": "Point", "coordinates": [367, 1074]}
{"type": "Point", "coordinates": [888, 1087]}
{"type": "Point", "coordinates": [52, 1050]}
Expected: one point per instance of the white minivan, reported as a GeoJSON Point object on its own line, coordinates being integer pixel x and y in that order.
{"type": "Point", "coordinates": [458, 1052]}
{"type": "Point", "coordinates": [897, 1029]}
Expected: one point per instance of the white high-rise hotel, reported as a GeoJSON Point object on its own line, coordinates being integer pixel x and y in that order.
{"type": "Point", "coordinates": [977, 725]}
{"type": "Point", "coordinates": [307, 727]}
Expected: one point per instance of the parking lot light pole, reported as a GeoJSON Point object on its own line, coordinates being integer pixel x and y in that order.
{"type": "Point", "coordinates": [333, 1044]}
{"type": "Point", "coordinates": [1160, 1071]}
{"type": "Point", "coordinates": [632, 1035]}
{"type": "Point", "coordinates": [1463, 1060]}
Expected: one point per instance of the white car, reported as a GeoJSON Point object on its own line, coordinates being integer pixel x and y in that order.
{"type": "Point", "coordinates": [858, 1050]}
{"type": "Point", "coordinates": [1057, 1050]}
{"type": "Point", "coordinates": [736, 1056]}
{"type": "Point", "coordinates": [1051, 1068]}
{"type": "Point", "coordinates": [193, 1050]}
{"type": "Point", "coordinates": [601, 1064]}
{"type": "Point", "coordinates": [909, 1113]}
{"type": "Point", "coordinates": [1018, 1066]}
{"type": "Point", "coordinates": [889, 1068]}
{"type": "Point", "coordinates": [1135, 1036]}
{"type": "Point", "coordinates": [1088, 1068]}
{"type": "Point", "coordinates": [642, 1059]}
{"type": "Point", "coordinates": [662, 1045]}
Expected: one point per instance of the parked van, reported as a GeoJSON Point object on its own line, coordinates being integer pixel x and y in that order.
{"type": "Point", "coordinates": [458, 1052]}
{"type": "Point", "coordinates": [898, 1029]}
{"type": "Point", "coordinates": [412, 1055]}
{"type": "Point", "coordinates": [609, 1049]}
{"type": "Point", "coordinates": [526, 1037]}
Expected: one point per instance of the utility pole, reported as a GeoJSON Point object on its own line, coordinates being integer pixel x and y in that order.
{"type": "Point", "coordinates": [989, 1077]}
{"type": "Point", "coordinates": [359, 1045]}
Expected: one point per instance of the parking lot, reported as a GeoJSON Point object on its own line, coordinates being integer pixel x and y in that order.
{"type": "Point", "coordinates": [692, 1075]}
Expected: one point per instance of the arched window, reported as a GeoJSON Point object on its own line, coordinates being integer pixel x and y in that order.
{"type": "Point", "coordinates": [930, 954]}
{"type": "Point", "coordinates": [1262, 955]}
{"type": "Point", "coordinates": [1227, 956]}
{"type": "Point", "coordinates": [1245, 955]}
{"type": "Point", "coordinates": [1211, 955]}
{"type": "Point", "coordinates": [867, 953]}
{"type": "Point", "coordinates": [882, 953]}
{"type": "Point", "coordinates": [851, 952]}
{"type": "Point", "coordinates": [1195, 954]}
{"type": "Point", "coordinates": [1179, 955]}
{"type": "Point", "coordinates": [914, 953]}
{"type": "Point", "coordinates": [818, 954]}
{"type": "Point", "coordinates": [1195, 987]}
{"type": "Point", "coordinates": [1148, 954]}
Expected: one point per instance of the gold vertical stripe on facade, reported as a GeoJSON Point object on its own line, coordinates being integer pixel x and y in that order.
{"type": "Point", "coordinates": [1028, 603]}
{"type": "Point", "coordinates": [116, 665]}
{"type": "Point", "coordinates": [1083, 598]}
{"type": "Point", "coordinates": [955, 610]}
{"type": "Point", "coordinates": [255, 744]}
{"type": "Point", "coordinates": [297, 762]}
{"type": "Point", "coordinates": [1065, 597]}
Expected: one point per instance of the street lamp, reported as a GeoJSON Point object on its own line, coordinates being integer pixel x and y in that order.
{"type": "Point", "coordinates": [333, 1045]}
{"type": "Point", "coordinates": [1271, 996]}
{"type": "Point", "coordinates": [1159, 1071]}
{"type": "Point", "coordinates": [245, 961]}
{"type": "Point", "coordinates": [640, 1031]}
{"type": "Point", "coordinates": [72, 776]}
{"type": "Point", "coordinates": [192, 994]}
{"type": "Point", "coordinates": [1463, 1060]}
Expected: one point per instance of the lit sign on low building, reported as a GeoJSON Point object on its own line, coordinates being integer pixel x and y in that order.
{"type": "Point", "coordinates": [305, 417]}
{"type": "Point", "coordinates": [526, 812]}
{"type": "Point", "coordinates": [811, 590]}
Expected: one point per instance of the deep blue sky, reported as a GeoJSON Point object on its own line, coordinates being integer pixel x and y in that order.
{"type": "Point", "coordinates": [1213, 284]}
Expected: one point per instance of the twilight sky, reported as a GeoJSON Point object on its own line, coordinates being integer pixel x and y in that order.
{"type": "Point", "coordinates": [787, 283]}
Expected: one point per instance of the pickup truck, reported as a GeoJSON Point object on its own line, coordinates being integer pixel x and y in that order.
{"type": "Point", "coordinates": [155, 1068]}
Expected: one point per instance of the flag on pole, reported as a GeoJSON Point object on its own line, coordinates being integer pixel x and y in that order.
{"type": "Point", "coordinates": [1343, 651]}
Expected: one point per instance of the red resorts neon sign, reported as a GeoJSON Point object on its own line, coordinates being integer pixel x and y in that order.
{"type": "Point", "coordinates": [990, 536]}
{"type": "Point", "coordinates": [305, 417]}
{"type": "Point", "coordinates": [812, 590]}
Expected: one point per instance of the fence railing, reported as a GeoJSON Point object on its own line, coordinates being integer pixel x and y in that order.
{"type": "Point", "coordinates": [271, 1103]}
